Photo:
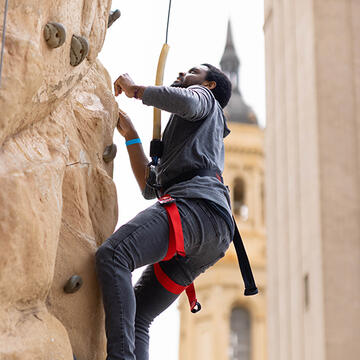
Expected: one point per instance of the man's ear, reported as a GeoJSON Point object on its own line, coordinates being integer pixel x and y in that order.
{"type": "Point", "coordinates": [209, 84]}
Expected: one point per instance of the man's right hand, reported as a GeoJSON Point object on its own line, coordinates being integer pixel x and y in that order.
{"type": "Point", "coordinates": [125, 126]}
{"type": "Point", "coordinates": [124, 83]}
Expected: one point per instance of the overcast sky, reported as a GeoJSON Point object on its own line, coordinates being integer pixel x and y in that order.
{"type": "Point", "coordinates": [197, 34]}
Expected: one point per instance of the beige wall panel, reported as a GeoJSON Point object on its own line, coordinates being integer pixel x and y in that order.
{"type": "Point", "coordinates": [313, 177]}
{"type": "Point", "coordinates": [309, 178]}
{"type": "Point", "coordinates": [280, 154]}
{"type": "Point", "coordinates": [292, 146]}
{"type": "Point", "coordinates": [355, 33]}
{"type": "Point", "coordinates": [283, 135]}
{"type": "Point", "coordinates": [340, 193]}
{"type": "Point", "coordinates": [270, 190]}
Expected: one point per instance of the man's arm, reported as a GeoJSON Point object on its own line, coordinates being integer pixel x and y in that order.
{"type": "Point", "coordinates": [193, 103]}
{"type": "Point", "coordinates": [138, 159]}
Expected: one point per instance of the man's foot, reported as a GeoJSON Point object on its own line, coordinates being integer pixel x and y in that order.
{"type": "Point", "coordinates": [113, 16]}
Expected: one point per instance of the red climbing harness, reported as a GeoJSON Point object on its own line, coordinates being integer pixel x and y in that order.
{"type": "Point", "coordinates": [176, 247]}
{"type": "Point", "coordinates": [176, 244]}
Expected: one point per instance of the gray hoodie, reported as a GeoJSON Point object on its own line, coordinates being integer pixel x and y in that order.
{"type": "Point", "coordinates": [193, 139]}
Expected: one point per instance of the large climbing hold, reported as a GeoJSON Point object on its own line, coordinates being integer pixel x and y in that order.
{"type": "Point", "coordinates": [54, 34]}
{"type": "Point", "coordinates": [113, 16]}
{"type": "Point", "coordinates": [79, 50]}
{"type": "Point", "coordinates": [109, 153]}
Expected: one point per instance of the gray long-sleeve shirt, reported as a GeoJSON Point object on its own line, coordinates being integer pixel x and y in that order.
{"type": "Point", "coordinates": [193, 139]}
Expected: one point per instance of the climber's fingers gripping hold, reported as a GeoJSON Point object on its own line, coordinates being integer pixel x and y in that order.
{"type": "Point", "coordinates": [117, 89]}
{"type": "Point", "coordinates": [125, 126]}
{"type": "Point", "coordinates": [124, 83]}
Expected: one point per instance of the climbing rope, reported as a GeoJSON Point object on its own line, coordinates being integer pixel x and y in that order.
{"type": "Point", "coordinates": [167, 25]}
{"type": "Point", "coordinates": [156, 146]}
{"type": "Point", "coordinates": [3, 39]}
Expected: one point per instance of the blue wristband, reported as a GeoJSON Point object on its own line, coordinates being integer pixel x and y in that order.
{"type": "Point", "coordinates": [133, 141]}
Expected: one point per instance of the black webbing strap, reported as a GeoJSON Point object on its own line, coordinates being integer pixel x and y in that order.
{"type": "Point", "coordinates": [245, 268]}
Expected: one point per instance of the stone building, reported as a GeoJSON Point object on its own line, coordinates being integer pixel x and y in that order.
{"type": "Point", "coordinates": [231, 326]}
{"type": "Point", "coordinates": [313, 178]}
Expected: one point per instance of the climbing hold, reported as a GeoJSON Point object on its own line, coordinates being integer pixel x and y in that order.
{"type": "Point", "coordinates": [73, 284]}
{"type": "Point", "coordinates": [113, 16]}
{"type": "Point", "coordinates": [109, 153]}
{"type": "Point", "coordinates": [55, 34]}
{"type": "Point", "coordinates": [79, 50]}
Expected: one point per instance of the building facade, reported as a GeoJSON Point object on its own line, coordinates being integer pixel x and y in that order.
{"type": "Point", "coordinates": [231, 326]}
{"type": "Point", "coordinates": [313, 178]}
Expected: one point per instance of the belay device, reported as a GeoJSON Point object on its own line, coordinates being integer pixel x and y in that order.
{"type": "Point", "coordinates": [176, 239]}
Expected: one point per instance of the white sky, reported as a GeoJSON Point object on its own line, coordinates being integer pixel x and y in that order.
{"type": "Point", "coordinates": [197, 34]}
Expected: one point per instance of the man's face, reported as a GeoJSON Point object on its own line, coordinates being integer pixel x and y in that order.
{"type": "Point", "coordinates": [195, 76]}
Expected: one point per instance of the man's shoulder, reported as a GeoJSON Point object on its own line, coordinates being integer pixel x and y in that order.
{"type": "Point", "coordinates": [201, 88]}
{"type": "Point", "coordinates": [206, 92]}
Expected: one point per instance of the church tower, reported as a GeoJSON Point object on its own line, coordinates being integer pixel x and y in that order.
{"type": "Point", "coordinates": [231, 326]}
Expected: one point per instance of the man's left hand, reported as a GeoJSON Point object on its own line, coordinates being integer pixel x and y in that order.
{"type": "Point", "coordinates": [124, 83]}
{"type": "Point", "coordinates": [125, 126]}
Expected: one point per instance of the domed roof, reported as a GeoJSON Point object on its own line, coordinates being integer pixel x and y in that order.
{"type": "Point", "coordinates": [236, 110]}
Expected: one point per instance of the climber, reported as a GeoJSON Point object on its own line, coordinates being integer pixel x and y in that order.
{"type": "Point", "coordinates": [190, 172]}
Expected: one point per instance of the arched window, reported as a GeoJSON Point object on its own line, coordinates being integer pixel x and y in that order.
{"type": "Point", "coordinates": [239, 205]}
{"type": "Point", "coordinates": [240, 334]}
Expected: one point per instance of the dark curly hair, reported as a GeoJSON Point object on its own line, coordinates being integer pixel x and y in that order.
{"type": "Point", "coordinates": [222, 91]}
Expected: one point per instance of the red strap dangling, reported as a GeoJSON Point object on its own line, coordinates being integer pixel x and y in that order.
{"type": "Point", "coordinates": [175, 288]}
{"type": "Point", "coordinates": [191, 294]}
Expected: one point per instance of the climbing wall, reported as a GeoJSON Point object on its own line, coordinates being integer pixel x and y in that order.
{"type": "Point", "coordinates": [57, 197]}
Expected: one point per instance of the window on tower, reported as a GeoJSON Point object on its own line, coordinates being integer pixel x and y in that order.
{"type": "Point", "coordinates": [240, 334]}
{"type": "Point", "coordinates": [239, 206]}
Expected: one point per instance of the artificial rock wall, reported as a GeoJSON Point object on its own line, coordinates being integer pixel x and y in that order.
{"type": "Point", "coordinates": [57, 197]}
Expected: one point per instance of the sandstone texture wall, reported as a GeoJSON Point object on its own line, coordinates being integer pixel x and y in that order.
{"type": "Point", "coordinates": [57, 197]}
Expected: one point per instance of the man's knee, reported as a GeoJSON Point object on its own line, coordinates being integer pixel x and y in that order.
{"type": "Point", "coordinates": [103, 254]}
{"type": "Point", "coordinates": [121, 255]}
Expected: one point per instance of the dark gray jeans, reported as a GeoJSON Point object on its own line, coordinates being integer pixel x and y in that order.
{"type": "Point", "coordinates": [144, 240]}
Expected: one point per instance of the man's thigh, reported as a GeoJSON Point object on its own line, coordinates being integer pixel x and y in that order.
{"type": "Point", "coordinates": [151, 297]}
{"type": "Point", "coordinates": [143, 240]}
{"type": "Point", "coordinates": [206, 239]}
